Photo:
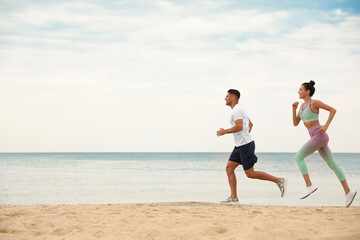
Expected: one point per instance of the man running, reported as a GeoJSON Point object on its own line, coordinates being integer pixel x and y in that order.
{"type": "Point", "coordinates": [243, 152]}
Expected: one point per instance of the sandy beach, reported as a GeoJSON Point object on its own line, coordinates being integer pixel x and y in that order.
{"type": "Point", "coordinates": [191, 220]}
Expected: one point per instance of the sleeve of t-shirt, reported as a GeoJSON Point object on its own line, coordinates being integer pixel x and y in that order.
{"type": "Point", "coordinates": [239, 114]}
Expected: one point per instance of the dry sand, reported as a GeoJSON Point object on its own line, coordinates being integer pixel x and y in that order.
{"type": "Point", "coordinates": [177, 221]}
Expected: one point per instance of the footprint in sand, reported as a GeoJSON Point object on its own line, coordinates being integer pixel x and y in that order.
{"type": "Point", "coordinates": [256, 212]}
{"type": "Point", "coordinates": [174, 211]}
{"type": "Point", "coordinates": [217, 230]}
{"type": "Point", "coordinates": [14, 214]}
{"type": "Point", "coordinates": [256, 229]}
{"type": "Point", "coordinates": [99, 234]}
{"type": "Point", "coordinates": [152, 234]}
{"type": "Point", "coordinates": [30, 225]}
{"type": "Point", "coordinates": [60, 232]}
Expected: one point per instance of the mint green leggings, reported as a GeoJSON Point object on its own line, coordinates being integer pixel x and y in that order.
{"type": "Point", "coordinates": [318, 141]}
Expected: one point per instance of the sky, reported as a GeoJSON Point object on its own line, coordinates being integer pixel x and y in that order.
{"type": "Point", "coordinates": [151, 76]}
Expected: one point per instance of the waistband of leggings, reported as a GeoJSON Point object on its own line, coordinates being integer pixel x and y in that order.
{"type": "Point", "coordinates": [314, 128]}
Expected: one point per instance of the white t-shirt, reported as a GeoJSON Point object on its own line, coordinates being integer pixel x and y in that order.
{"type": "Point", "coordinates": [242, 137]}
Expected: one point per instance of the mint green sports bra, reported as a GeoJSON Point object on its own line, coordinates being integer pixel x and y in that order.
{"type": "Point", "coordinates": [307, 115]}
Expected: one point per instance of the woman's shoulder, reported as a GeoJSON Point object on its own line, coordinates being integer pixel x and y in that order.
{"type": "Point", "coordinates": [315, 102]}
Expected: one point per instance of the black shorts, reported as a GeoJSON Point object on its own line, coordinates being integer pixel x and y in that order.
{"type": "Point", "coordinates": [244, 155]}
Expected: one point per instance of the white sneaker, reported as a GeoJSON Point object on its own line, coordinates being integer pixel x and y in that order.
{"type": "Point", "coordinates": [349, 197]}
{"type": "Point", "coordinates": [282, 186]}
{"type": "Point", "coordinates": [308, 191]}
{"type": "Point", "coordinates": [230, 200]}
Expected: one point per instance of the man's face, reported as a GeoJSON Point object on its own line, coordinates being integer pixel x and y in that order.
{"type": "Point", "coordinates": [229, 99]}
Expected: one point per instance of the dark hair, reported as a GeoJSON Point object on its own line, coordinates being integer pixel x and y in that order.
{"type": "Point", "coordinates": [234, 92]}
{"type": "Point", "coordinates": [310, 86]}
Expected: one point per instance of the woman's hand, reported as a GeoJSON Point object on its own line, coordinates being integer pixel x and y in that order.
{"type": "Point", "coordinates": [296, 118]}
{"type": "Point", "coordinates": [295, 105]}
{"type": "Point", "coordinates": [323, 129]}
{"type": "Point", "coordinates": [320, 105]}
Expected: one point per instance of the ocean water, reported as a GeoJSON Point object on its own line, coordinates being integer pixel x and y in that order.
{"type": "Point", "coordinates": [111, 178]}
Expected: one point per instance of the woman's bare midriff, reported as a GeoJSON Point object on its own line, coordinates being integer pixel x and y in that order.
{"type": "Point", "coordinates": [311, 124]}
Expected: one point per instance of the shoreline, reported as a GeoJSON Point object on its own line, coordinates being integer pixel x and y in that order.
{"type": "Point", "coordinates": [178, 220]}
{"type": "Point", "coordinates": [194, 202]}
{"type": "Point", "coordinates": [180, 203]}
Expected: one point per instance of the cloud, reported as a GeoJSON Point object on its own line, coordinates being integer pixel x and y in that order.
{"type": "Point", "coordinates": [91, 23]}
{"type": "Point", "coordinates": [167, 65]}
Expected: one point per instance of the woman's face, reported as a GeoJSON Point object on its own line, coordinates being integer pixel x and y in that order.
{"type": "Point", "coordinates": [303, 92]}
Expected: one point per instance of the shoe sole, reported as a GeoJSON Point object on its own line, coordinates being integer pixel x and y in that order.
{"type": "Point", "coordinates": [309, 194]}
{"type": "Point", "coordinates": [352, 200]}
{"type": "Point", "coordinates": [285, 187]}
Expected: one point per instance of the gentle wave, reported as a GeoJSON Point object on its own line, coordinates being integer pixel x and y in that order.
{"type": "Point", "coordinates": [71, 178]}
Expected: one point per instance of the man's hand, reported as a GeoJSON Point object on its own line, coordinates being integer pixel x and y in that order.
{"type": "Point", "coordinates": [220, 132]}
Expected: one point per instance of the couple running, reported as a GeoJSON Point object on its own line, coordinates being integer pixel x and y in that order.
{"type": "Point", "coordinates": [243, 153]}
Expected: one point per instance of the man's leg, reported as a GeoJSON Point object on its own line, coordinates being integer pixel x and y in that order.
{"type": "Point", "coordinates": [230, 170]}
{"type": "Point", "coordinates": [251, 173]}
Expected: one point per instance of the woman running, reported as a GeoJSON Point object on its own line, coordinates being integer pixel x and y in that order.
{"type": "Point", "coordinates": [309, 113]}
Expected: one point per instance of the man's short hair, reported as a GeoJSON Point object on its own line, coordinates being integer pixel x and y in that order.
{"type": "Point", "coordinates": [234, 92]}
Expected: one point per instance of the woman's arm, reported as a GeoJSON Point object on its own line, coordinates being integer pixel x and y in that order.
{"type": "Point", "coordinates": [320, 105]}
{"type": "Point", "coordinates": [296, 118]}
{"type": "Point", "coordinates": [250, 125]}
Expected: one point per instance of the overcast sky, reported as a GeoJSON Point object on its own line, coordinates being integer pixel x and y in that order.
{"type": "Point", "coordinates": [123, 76]}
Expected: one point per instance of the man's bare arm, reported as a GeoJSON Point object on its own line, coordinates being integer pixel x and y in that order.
{"type": "Point", "coordinates": [237, 128]}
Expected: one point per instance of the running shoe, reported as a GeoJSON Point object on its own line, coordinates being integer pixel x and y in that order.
{"type": "Point", "coordinates": [282, 186]}
{"type": "Point", "coordinates": [308, 191]}
{"type": "Point", "coordinates": [230, 200]}
{"type": "Point", "coordinates": [349, 197]}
